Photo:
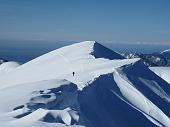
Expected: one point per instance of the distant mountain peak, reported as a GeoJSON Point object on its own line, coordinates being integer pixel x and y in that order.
{"type": "Point", "coordinates": [165, 51]}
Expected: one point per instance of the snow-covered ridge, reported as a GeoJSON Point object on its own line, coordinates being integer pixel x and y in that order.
{"type": "Point", "coordinates": [106, 91]}
{"type": "Point", "coordinates": [79, 58]}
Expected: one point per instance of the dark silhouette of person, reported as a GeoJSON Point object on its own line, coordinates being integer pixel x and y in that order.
{"type": "Point", "coordinates": [73, 73]}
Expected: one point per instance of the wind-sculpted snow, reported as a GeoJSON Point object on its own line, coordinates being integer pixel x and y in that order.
{"type": "Point", "coordinates": [56, 103]}
{"type": "Point", "coordinates": [106, 91]}
{"type": "Point", "coordinates": [148, 83]}
{"type": "Point", "coordinates": [52, 101]}
{"type": "Point", "coordinates": [100, 112]}
{"type": "Point", "coordinates": [104, 102]}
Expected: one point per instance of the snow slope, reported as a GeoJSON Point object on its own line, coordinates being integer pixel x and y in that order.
{"type": "Point", "coordinates": [106, 91]}
{"type": "Point", "coordinates": [163, 72]}
{"type": "Point", "coordinates": [64, 61]}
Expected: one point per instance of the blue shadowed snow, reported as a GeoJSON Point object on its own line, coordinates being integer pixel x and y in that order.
{"type": "Point", "coordinates": [102, 52]}
{"type": "Point", "coordinates": [97, 104]}
{"type": "Point", "coordinates": [102, 108]}
{"type": "Point", "coordinates": [151, 85]}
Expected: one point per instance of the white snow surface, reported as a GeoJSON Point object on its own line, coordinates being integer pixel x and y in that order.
{"type": "Point", "coordinates": [60, 64]}
{"type": "Point", "coordinates": [136, 98]}
{"type": "Point", "coordinates": [163, 72]}
{"type": "Point", "coordinates": [44, 93]}
{"type": "Point", "coordinates": [7, 67]}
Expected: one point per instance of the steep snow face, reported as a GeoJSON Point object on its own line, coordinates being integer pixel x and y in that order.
{"type": "Point", "coordinates": [80, 58]}
{"type": "Point", "coordinates": [163, 72]}
{"type": "Point", "coordinates": [132, 107]}
{"type": "Point", "coordinates": [99, 51]}
{"type": "Point", "coordinates": [149, 84]}
{"type": "Point", "coordinates": [7, 67]}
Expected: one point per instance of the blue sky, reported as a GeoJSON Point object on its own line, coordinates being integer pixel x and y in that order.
{"type": "Point", "coordinates": [127, 21]}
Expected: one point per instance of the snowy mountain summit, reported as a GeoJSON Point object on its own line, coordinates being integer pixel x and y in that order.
{"type": "Point", "coordinates": [84, 85]}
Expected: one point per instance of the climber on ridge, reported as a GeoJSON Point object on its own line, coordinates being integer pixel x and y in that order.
{"type": "Point", "coordinates": [73, 73]}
